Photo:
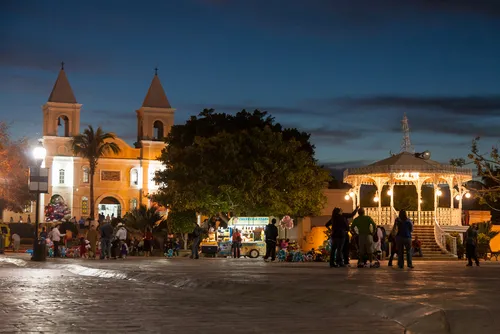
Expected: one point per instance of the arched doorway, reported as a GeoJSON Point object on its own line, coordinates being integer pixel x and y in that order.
{"type": "Point", "coordinates": [158, 130]}
{"type": "Point", "coordinates": [110, 206]}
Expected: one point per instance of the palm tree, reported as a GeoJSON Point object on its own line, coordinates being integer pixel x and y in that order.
{"type": "Point", "coordinates": [142, 218]}
{"type": "Point", "coordinates": [93, 145]}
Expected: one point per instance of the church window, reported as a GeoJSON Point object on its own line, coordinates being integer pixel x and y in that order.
{"type": "Point", "coordinates": [85, 205]}
{"type": "Point", "coordinates": [158, 130]}
{"type": "Point", "coordinates": [133, 204]}
{"type": "Point", "coordinates": [134, 177]}
{"type": "Point", "coordinates": [61, 176]}
{"type": "Point", "coordinates": [86, 175]}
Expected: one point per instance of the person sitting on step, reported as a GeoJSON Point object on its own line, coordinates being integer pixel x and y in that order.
{"type": "Point", "coordinates": [416, 247]}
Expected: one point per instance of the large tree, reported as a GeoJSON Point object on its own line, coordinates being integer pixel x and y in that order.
{"type": "Point", "coordinates": [14, 164]}
{"type": "Point", "coordinates": [93, 145]}
{"type": "Point", "coordinates": [488, 168]}
{"type": "Point", "coordinates": [181, 222]}
{"type": "Point", "coordinates": [244, 164]}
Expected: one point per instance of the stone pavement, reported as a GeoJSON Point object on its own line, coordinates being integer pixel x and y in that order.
{"type": "Point", "coordinates": [245, 296]}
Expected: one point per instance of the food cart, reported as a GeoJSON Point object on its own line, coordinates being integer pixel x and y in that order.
{"type": "Point", "coordinates": [252, 234]}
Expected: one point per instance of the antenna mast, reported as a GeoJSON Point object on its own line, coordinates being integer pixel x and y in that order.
{"type": "Point", "coordinates": [406, 143]}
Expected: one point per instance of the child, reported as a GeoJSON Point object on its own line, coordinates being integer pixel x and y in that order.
{"type": "Point", "coordinates": [177, 247]}
{"type": "Point", "coordinates": [124, 250]}
{"type": "Point", "coordinates": [83, 248]}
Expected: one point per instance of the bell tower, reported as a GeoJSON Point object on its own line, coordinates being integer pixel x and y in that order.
{"type": "Point", "coordinates": [61, 113]}
{"type": "Point", "coordinates": [156, 116]}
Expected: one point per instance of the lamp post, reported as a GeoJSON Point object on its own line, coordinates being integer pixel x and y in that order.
{"type": "Point", "coordinates": [38, 185]}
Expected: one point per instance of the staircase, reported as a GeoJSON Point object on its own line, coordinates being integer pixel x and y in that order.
{"type": "Point", "coordinates": [430, 248]}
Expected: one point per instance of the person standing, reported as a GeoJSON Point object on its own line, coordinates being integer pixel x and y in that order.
{"type": "Point", "coordinates": [196, 241]}
{"type": "Point", "coordinates": [148, 242]}
{"type": "Point", "coordinates": [16, 242]}
{"type": "Point", "coordinates": [106, 236]}
{"type": "Point", "coordinates": [92, 237]}
{"type": "Point", "coordinates": [271, 239]}
{"type": "Point", "coordinates": [404, 228]}
{"type": "Point", "coordinates": [55, 236]}
{"type": "Point", "coordinates": [470, 245]}
{"type": "Point", "coordinates": [121, 235]}
{"type": "Point", "coordinates": [364, 227]}
{"type": "Point", "coordinates": [236, 244]}
{"type": "Point", "coordinates": [339, 236]}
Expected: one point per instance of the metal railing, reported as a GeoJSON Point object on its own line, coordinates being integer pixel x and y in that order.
{"type": "Point", "coordinates": [442, 239]}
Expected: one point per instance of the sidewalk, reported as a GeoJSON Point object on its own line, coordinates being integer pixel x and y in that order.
{"type": "Point", "coordinates": [435, 297]}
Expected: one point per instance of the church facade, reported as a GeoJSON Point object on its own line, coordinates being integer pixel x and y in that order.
{"type": "Point", "coordinates": [122, 182]}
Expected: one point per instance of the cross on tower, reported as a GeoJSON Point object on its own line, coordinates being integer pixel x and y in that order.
{"type": "Point", "coordinates": [62, 65]}
{"type": "Point", "coordinates": [156, 70]}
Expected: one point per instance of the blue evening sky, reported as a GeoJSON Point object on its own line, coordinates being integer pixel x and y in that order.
{"type": "Point", "coordinates": [346, 71]}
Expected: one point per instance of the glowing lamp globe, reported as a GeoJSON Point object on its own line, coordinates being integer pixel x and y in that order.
{"type": "Point", "coordinates": [421, 201]}
{"type": "Point", "coordinates": [439, 193]}
{"type": "Point", "coordinates": [352, 194]}
{"type": "Point", "coordinates": [457, 197]}
{"type": "Point", "coordinates": [39, 153]}
{"type": "Point", "coordinates": [376, 199]}
{"type": "Point", "coordinates": [389, 192]}
{"type": "Point", "coordinates": [347, 197]}
{"type": "Point", "coordinates": [467, 195]}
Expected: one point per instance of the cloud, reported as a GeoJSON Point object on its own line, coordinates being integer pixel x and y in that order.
{"type": "Point", "coordinates": [337, 16]}
{"type": "Point", "coordinates": [457, 105]}
{"type": "Point", "coordinates": [335, 165]}
{"type": "Point", "coordinates": [334, 136]}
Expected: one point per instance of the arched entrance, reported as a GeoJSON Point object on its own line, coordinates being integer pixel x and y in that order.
{"type": "Point", "coordinates": [110, 206]}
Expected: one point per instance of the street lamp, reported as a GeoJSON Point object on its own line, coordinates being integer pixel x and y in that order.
{"type": "Point", "coordinates": [38, 184]}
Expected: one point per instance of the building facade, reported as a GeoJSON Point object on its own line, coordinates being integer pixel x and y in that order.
{"type": "Point", "coordinates": [122, 182]}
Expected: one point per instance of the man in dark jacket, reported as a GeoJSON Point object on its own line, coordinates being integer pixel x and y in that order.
{"type": "Point", "coordinates": [196, 241]}
{"type": "Point", "coordinates": [271, 238]}
{"type": "Point", "coordinates": [339, 237]}
{"type": "Point", "coordinates": [106, 236]}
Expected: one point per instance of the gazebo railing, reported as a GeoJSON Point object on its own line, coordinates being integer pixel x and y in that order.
{"type": "Point", "coordinates": [445, 169]}
{"type": "Point", "coordinates": [442, 238]}
{"type": "Point", "coordinates": [445, 216]}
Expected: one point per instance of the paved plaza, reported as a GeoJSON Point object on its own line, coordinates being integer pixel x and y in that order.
{"type": "Point", "coordinates": [157, 295]}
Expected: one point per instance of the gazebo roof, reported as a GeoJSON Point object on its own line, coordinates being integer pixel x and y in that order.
{"type": "Point", "coordinates": [406, 162]}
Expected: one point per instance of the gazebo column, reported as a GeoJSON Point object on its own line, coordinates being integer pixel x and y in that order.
{"type": "Point", "coordinates": [418, 185]}
{"type": "Point", "coordinates": [449, 181]}
{"type": "Point", "coordinates": [379, 183]}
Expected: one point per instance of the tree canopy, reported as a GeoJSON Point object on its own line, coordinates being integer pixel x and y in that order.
{"type": "Point", "coordinates": [243, 164]}
{"type": "Point", "coordinates": [14, 166]}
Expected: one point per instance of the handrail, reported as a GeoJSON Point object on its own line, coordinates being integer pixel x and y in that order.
{"type": "Point", "coordinates": [441, 238]}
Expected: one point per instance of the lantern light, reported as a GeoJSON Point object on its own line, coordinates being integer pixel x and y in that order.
{"type": "Point", "coordinates": [351, 193]}
{"type": "Point", "coordinates": [457, 197]}
{"type": "Point", "coordinates": [467, 195]}
{"type": "Point", "coordinates": [347, 197]}
{"type": "Point", "coordinates": [389, 192]}
{"type": "Point", "coordinates": [439, 192]}
{"type": "Point", "coordinates": [375, 199]}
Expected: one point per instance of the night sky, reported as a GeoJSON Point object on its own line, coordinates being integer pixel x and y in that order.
{"type": "Point", "coordinates": [345, 71]}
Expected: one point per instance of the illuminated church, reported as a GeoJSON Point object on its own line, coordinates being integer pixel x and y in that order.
{"type": "Point", "coordinates": [122, 181]}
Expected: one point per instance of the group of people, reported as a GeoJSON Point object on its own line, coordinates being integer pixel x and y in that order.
{"type": "Point", "coordinates": [369, 239]}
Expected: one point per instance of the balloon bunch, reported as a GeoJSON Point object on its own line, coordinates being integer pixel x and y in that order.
{"type": "Point", "coordinates": [286, 222]}
{"type": "Point", "coordinates": [57, 210]}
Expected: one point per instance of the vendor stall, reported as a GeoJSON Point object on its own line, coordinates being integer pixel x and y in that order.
{"type": "Point", "coordinates": [252, 234]}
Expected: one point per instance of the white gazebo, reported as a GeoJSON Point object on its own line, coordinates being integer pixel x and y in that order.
{"type": "Point", "coordinates": [411, 169]}
{"type": "Point", "coordinates": [408, 168]}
